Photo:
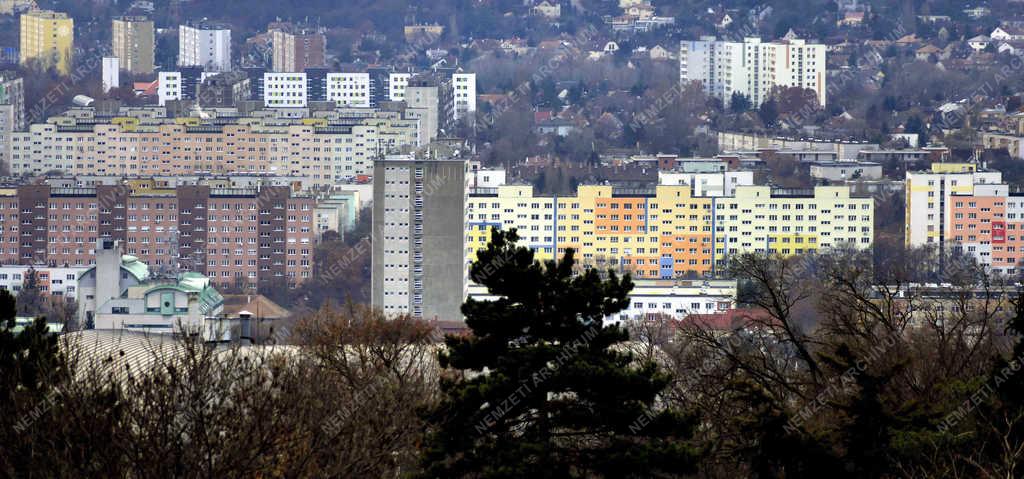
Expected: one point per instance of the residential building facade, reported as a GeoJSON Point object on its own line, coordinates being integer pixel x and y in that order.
{"type": "Point", "coordinates": [205, 45]}
{"type": "Point", "coordinates": [12, 112]}
{"type": "Point", "coordinates": [133, 41]}
{"type": "Point", "coordinates": [959, 209]}
{"type": "Point", "coordinates": [240, 238]}
{"type": "Point", "coordinates": [48, 38]}
{"type": "Point", "coordinates": [55, 280]}
{"type": "Point", "coordinates": [284, 90]}
{"type": "Point", "coordinates": [349, 89]}
{"type": "Point", "coordinates": [753, 68]}
{"type": "Point", "coordinates": [657, 298]}
{"type": "Point", "coordinates": [296, 48]}
{"type": "Point", "coordinates": [464, 93]}
{"type": "Point", "coordinates": [418, 214]}
{"type": "Point", "coordinates": [323, 152]}
{"type": "Point", "coordinates": [668, 232]}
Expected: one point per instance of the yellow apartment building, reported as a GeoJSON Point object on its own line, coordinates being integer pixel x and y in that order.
{"type": "Point", "coordinates": [668, 232]}
{"type": "Point", "coordinates": [47, 37]}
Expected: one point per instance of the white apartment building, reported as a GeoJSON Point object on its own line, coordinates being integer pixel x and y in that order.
{"type": "Point", "coordinates": [929, 194]}
{"type": "Point", "coordinates": [477, 178]}
{"type": "Point", "coordinates": [111, 73]}
{"type": "Point", "coordinates": [349, 89]}
{"type": "Point", "coordinates": [168, 87]}
{"type": "Point", "coordinates": [679, 298]}
{"type": "Point", "coordinates": [718, 184]}
{"type": "Point", "coordinates": [207, 46]}
{"type": "Point", "coordinates": [464, 86]}
{"type": "Point", "coordinates": [396, 86]}
{"type": "Point", "coordinates": [752, 68]}
{"type": "Point", "coordinates": [284, 90]}
{"type": "Point", "coordinates": [57, 281]}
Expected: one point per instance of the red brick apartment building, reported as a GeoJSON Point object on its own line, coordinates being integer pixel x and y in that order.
{"type": "Point", "coordinates": [238, 237]}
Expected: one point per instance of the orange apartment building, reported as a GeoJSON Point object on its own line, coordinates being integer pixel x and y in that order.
{"type": "Point", "coordinates": [959, 209]}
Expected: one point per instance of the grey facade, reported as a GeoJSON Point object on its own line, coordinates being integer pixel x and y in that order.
{"type": "Point", "coordinates": [224, 90]}
{"type": "Point", "coordinates": [418, 237]}
{"type": "Point", "coordinates": [316, 84]}
{"type": "Point", "coordinates": [429, 98]}
{"type": "Point", "coordinates": [12, 112]}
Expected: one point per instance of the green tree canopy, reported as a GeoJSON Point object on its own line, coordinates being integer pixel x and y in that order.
{"type": "Point", "coordinates": [545, 391]}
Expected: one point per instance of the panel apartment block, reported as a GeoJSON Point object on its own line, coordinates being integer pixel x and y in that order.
{"type": "Point", "coordinates": [669, 233]}
{"type": "Point", "coordinates": [418, 214]}
{"type": "Point", "coordinates": [239, 237]}
{"type": "Point", "coordinates": [323, 154]}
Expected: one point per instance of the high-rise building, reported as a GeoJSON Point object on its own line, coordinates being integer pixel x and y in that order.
{"type": "Point", "coordinates": [349, 89]}
{"type": "Point", "coordinates": [255, 81]}
{"type": "Point", "coordinates": [297, 48]}
{"type": "Point", "coordinates": [668, 232]}
{"type": "Point", "coordinates": [752, 68]}
{"type": "Point", "coordinates": [12, 102]}
{"type": "Point", "coordinates": [168, 87]}
{"type": "Point", "coordinates": [111, 73]}
{"type": "Point", "coordinates": [205, 45]}
{"type": "Point", "coordinates": [418, 215]}
{"type": "Point", "coordinates": [285, 90]}
{"type": "Point", "coordinates": [324, 152]}
{"type": "Point", "coordinates": [396, 85]}
{"type": "Point", "coordinates": [182, 84]}
{"type": "Point", "coordinates": [459, 85]}
{"type": "Point", "coordinates": [248, 237]}
{"type": "Point", "coordinates": [47, 37]}
{"type": "Point", "coordinates": [316, 84]}
{"type": "Point", "coordinates": [464, 93]}
{"type": "Point", "coordinates": [430, 98]}
{"type": "Point", "coordinates": [378, 85]}
{"type": "Point", "coordinates": [12, 113]}
{"type": "Point", "coordinates": [133, 42]}
{"type": "Point", "coordinates": [957, 208]}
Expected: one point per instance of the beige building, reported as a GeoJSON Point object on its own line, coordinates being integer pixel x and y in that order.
{"type": "Point", "coordinates": [132, 42]}
{"type": "Point", "coordinates": [425, 34]}
{"type": "Point", "coordinates": [48, 38]}
{"type": "Point", "coordinates": [999, 141]}
{"type": "Point", "coordinates": [325, 154]}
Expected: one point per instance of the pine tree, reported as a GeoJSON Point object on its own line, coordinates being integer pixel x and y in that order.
{"type": "Point", "coordinates": [30, 299]}
{"type": "Point", "coordinates": [32, 369]}
{"type": "Point", "coordinates": [544, 389]}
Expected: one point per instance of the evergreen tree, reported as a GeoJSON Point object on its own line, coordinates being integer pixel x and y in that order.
{"type": "Point", "coordinates": [32, 370]}
{"type": "Point", "coordinates": [31, 301]}
{"type": "Point", "coordinates": [739, 102]}
{"type": "Point", "coordinates": [544, 389]}
{"type": "Point", "coordinates": [769, 113]}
